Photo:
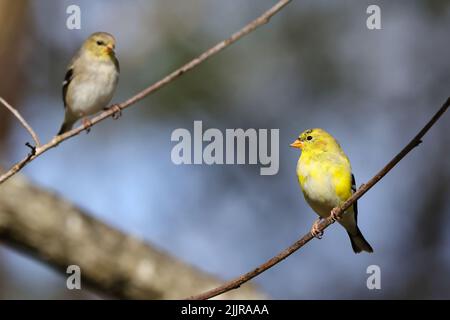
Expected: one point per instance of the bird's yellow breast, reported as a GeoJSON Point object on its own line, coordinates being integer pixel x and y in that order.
{"type": "Point", "coordinates": [325, 179]}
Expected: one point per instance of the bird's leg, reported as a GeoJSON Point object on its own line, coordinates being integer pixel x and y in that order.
{"type": "Point", "coordinates": [334, 215]}
{"type": "Point", "coordinates": [315, 232]}
{"type": "Point", "coordinates": [87, 124]}
{"type": "Point", "coordinates": [117, 111]}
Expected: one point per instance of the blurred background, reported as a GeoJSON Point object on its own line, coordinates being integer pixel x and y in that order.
{"type": "Point", "coordinates": [315, 65]}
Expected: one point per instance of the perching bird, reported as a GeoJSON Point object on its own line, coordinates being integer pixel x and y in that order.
{"type": "Point", "coordinates": [91, 79]}
{"type": "Point", "coordinates": [326, 179]}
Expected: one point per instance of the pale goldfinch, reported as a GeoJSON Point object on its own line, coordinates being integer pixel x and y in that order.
{"type": "Point", "coordinates": [326, 179]}
{"type": "Point", "coordinates": [91, 79]}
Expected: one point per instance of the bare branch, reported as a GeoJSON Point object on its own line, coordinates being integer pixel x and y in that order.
{"type": "Point", "coordinates": [22, 121]}
{"type": "Point", "coordinates": [236, 283]}
{"type": "Point", "coordinates": [263, 19]}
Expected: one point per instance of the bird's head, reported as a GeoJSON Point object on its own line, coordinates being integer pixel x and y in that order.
{"type": "Point", "coordinates": [101, 45]}
{"type": "Point", "coordinates": [314, 138]}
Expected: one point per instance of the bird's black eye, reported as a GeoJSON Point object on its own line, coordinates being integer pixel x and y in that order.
{"type": "Point", "coordinates": [100, 43]}
{"type": "Point", "coordinates": [308, 138]}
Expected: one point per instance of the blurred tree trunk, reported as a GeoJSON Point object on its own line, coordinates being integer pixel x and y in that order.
{"type": "Point", "coordinates": [14, 17]}
{"type": "Point", "coordinates": [54, 231]}
{"type": "Point", "coordinates": [14, 24]}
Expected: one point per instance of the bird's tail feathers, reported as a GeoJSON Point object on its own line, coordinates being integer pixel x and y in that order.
{"type": "Point", "coordinates": [358, 242]}
{"type": "Point", "coordinates": [67, 125]}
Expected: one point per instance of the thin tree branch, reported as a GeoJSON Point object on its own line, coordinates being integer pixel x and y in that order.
{"type": "Point", "coordinates": [236, 283]}
{"type": "Point", "coordinates": [263, 19]}
{"type": "Point", "coordinates": [22, 121]}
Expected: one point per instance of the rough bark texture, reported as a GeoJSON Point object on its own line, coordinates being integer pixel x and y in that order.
{"type": "Point", "coordinates": [56, 232]}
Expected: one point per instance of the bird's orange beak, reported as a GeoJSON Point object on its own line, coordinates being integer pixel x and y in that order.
{"type": "Point", "coordinates": [110, 48]}
{"type": "Point", "coordinates": [297, 144]}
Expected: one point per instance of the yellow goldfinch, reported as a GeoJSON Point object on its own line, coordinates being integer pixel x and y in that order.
{"type": "Point", "coordinates": [326, 179]}
{"type": "Point", "coordinates": [91, 79]}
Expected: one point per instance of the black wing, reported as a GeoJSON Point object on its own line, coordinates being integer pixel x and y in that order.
{"type": "Point", "coordinates": [66, 82]}
{"type": "Point", "coordinates": [355, 204]}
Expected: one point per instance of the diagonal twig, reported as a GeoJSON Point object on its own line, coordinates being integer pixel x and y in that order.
{"type": "Point", "coordinates": [22, 121]}
{"type": "Point", "coordinates": [236, 283]}
{"type": "Point", "coordinates": [261, 20]}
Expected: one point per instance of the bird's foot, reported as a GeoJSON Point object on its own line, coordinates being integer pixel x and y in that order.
{"type": "Point", "coordinates": [334, 215]}
{"type": "Point", "coordinates": [87, 124]}
{"type": "Point", "coordinates": [315, 231]}
{"type": "Point", "coordinates": [117, 111]}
